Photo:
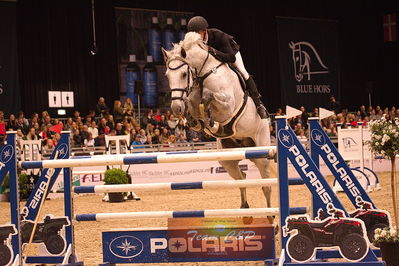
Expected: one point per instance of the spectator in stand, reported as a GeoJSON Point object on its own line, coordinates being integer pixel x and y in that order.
{"type": "Point", "coordinates": [84, 131]}
{"type": "Point", "coordinates": [88, 120]}
{"type": "Point", "coordinates": [181, 139]}
{"type": "Point", "coordinates": [20, 136]}
{"type": "Point", "coordinates": [68, 125]}
{"type": "Point", "coordinates": [128, 107]}
{"type": "Point", "coordinates": [25, 121]}
{"type": "Point", "coordinates": [304, 117]}
{"type": "Point", "coordinates": [156, 137]}
{"type": "Point", "coordinates": [12, 123]}
{"type": "Point", "coordinates": [119, 129]}
{"type": "Point", "coordinates": [102, 127]}
{"type": "Point", "coordinates": [301, 135]}
{"type": "Point", "coordinates": [149, 130]}
{"type": "Point", "coordinates": [172, 123]}
{"type": "Point", "coordinates": [101, 107]}
{"type": "Point", "coordinates": [148, 119]}
{"type": "Point", "coordinates": [110, 122]}
{"type": "Point", "coordinates": [89, 141]}
{"type": "Point", "coordinates": [363, 112]}
{"type": "Point", "coordinates": [93, 130]}
{"type": "Point", "coordinates": [181, 128]}
{"type": "Point", "coordinates": [56, 138]}
{"type": "Point", "coordinates": [119, 113]}
{"type": "Point", "coordinates": [373, 116]}
{"type": "Point", "coordinates": [21, 125]}
{"type": "Point", "coordinates": [42, 119]}
{"type": "Point", "coordinates": [137, 144]}
{"type": "Point", "coordinates": [162, 122]}
{"type": "Point", "coordinates": [49, 146]}
{"type": "Point", "coordinates": [379, 114]}
{"type": "Point", "coordinates": [43, 132]}
{"type": "Point", "coordinates": [315, 112]}
{"type": "Point", "coordinates": [167, 114]}
{"type": "Point", "coordinates": [157, 115]}
{"type": "Point", "coordinates": [32, 135]}
{"type": "Point", "coordinates": [148, 141]}
{"type": "Point", "coordinates": [132, 134]}
{"type": "Point", "coordinates": [172, 140]}
{"type": "Point", "coordinates": [279, 112]}
{"type": "Point", "coordinates": [163, 138]}
{"type": "Point", "coordinates": [77, 139]}
{"type": "Point", "coordinates": [76, 114]}
{"type": "Point", "coordinates": [143, 135]}
{"type": "Point", "coordinates": [334, 105]}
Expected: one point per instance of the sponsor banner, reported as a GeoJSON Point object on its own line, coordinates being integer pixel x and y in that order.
{"type": "Point", "coordinates": [309, 66]}
{"type": "Point", "coordinates": [206, 240]}
{"type": "Point", "coordinates": [350, 143]}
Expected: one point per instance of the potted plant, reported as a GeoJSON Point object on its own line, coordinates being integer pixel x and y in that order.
{"type": "Point", "coordinates": [115, 176]}
{"type": "Point", "coordinates": [385, 141]}
{"type": "Point", "coordinates": [23, 180]}
{"type": "Point", "coordinates": [388, 240]}
{"type": "Point", "coordinates": [5, 189]}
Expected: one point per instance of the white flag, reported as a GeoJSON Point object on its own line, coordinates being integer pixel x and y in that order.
{"type": "Point", "coordinates": [323, 113]}
{"type": "Point", "coordinates": [292, 112]}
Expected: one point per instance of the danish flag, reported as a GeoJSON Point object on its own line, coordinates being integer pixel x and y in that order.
{"type": "Point", "coordinates": [390, 27]}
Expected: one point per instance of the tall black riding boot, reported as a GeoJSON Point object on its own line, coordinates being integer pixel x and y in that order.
{"type": "Point", "coordinates": [253, 92]}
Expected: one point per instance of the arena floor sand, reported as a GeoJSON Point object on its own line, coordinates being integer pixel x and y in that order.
{"type": "Point", "coordinates": [88, 234]}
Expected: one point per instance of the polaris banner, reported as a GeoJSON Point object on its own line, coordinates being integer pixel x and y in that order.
{"type": "Point", "coordinates": [9, 88]}
{"type": "Point", "coordinates": [309, 61]}
{"type": "Point", "coordinates": [188, 245]}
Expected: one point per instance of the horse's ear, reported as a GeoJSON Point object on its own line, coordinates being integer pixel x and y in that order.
{"type": "Point", "coordinates": [165, 54]}
{"type": "Point", "coordinates": [291, 45]}
{"type": "Point", "coordinates": [183, 53]}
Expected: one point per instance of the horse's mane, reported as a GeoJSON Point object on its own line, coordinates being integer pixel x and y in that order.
{"type": "Point", "coordinates": [192, 38]}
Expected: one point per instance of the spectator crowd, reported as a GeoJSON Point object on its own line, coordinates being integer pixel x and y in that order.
{"type": "Point", "coordinates": [159, 126]}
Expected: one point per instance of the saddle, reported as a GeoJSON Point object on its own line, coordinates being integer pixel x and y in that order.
{"type": "Point", "coordinates": [240, 76]}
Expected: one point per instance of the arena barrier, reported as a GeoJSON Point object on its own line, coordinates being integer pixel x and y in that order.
{"type": "Point", "coordinates": [289, 148]}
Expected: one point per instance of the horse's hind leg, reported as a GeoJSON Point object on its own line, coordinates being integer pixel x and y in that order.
{"type": "Point", "coordinates": [235, 172]}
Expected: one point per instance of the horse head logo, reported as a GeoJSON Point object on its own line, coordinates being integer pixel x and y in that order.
{"type": "Point", "coordinates": [301, 55]}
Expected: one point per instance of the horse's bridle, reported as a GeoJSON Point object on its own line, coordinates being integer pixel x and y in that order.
{"type": "Point", "coordinates": [185, 90]}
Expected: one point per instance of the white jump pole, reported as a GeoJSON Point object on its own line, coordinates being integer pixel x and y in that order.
{"type": "Point", "coordinates": [150, 159]}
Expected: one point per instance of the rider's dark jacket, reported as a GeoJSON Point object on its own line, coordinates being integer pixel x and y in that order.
{"type": "Point", "coordinates": [224, 45]}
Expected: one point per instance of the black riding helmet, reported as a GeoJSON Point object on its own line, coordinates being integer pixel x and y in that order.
{"type": "Point", "coordinates": [197, 23]}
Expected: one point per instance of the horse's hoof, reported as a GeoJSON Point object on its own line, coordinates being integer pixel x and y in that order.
{"type": "Point", "coordinates": [244, 205]}
{"type": "Point", "coordinates": [247, 219]}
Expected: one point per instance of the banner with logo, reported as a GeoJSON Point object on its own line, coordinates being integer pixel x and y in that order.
{"type": "Point", "coordinates": [10, 98]}
{"type": "Point", "coordinates": [309, 61]}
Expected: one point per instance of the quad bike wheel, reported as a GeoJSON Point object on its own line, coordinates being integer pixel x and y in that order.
{"type": "Point", "coordinates": [5, 255]}
{"type": "Point", "coordinates": [300, 248]}
{"type": "Point", "coordinates": [353, 247]}
{"type": "Point", "coordinates": [55, 244]}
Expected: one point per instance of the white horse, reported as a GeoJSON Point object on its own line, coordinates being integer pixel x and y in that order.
{"type": "Point", "coordinates": [210, 95]}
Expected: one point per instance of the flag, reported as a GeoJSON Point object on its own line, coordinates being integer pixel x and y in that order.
{"type": "Point", "coordinates": [324, 113]}
{"type": "Point", "coordinates": [389, 27]}
{"type": "Point", "coordinates": [56, 128]}
{"type": "Point", "coordinates": [292, 112]}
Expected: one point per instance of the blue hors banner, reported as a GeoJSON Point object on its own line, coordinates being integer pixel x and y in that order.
{"type": "Point", "coordinates": [187, 245]}
{"type": "Point", "coordinates": [309, 61]}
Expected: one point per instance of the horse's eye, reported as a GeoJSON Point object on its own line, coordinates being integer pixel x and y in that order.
{"type": "Point", "coordinates": [184, 75]}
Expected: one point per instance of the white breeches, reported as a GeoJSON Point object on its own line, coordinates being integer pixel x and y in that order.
{"type": "Point", "coordinates": [240, 65]}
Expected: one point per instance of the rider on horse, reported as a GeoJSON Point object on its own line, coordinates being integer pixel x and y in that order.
{"type": "Point", "coordinates": [224, 48]}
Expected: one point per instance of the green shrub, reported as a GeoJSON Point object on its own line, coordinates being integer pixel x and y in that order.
{"type": "Point", "coordinates": [115, 176]}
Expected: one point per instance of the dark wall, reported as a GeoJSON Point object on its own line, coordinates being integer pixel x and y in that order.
{"type": "Point", "coordinates": [55, 38]}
